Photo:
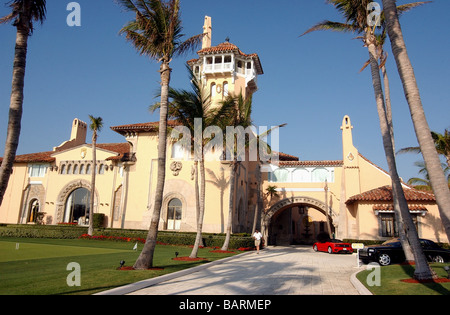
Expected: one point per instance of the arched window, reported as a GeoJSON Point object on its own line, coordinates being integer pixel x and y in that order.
{"type": "Point", "coordinates": [63, 169]}
{"type": "Point", "coordinates": [88, 169]}
{"type": "Point", "coordinates": [82, 169]}
{"type": "Point", "coordinates": [33, 211]}
{"type": "Point", "coordinates": [77, 207]}
{"type": "Point", "coordinates": [101, 169]}
{"type": "Point", "coordinates": [177, 150]}
{"type": "Point", "coordinates": [280, 176]}
{"type": "Point", "coordinates": [301, 175]}
{"type": "Point", "coordinates": [225, 89]}
{"type": "Point", "coordinates": [319, 175]}
{"type": "Point", "coordinates": [69, 169]}
{"type": "Point", "coordinates": [75, 169]}
{"type": "Point", "coordinates": [213, 90]}
{"type": "Point", "coordinates": [174, 211]}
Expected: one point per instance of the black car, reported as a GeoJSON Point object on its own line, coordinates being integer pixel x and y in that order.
{"type": "Point", "coordinates": [392, 252]}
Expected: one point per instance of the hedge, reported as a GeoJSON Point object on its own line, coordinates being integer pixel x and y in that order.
{"type": "Point", "coordinates": [75, 232]}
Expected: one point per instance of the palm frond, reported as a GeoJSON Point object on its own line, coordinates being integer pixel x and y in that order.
{"type": "Point", "coordinates": [332, 26]}
{"type": "Point", "coordinates": [401, 9]}
{"type": "Point", "coordinates": [24, 12]}
{"type": "Point", "coordinates": [156, 31]}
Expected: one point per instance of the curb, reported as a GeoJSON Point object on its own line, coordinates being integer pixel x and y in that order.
{"type": "Point", "coordinates": [358, 285]}
{"type": "Point", "coordinates": [149, 282]}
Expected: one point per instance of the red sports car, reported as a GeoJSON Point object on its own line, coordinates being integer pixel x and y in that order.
{"type": "Point", "coordinates": [333, 246]}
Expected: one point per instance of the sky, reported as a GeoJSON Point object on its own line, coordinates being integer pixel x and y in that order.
{"type": "Point", "coordinates": [310, 82]}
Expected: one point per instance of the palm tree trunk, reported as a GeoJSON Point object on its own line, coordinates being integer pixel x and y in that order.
{"type": "Point", "coordinates": [198, 238]}
{"type": "Point", "coordinates": [145, 259]}
{"type": "Point", "coordinates": [437, 178]}
{"type": "Point", "coordinates": [94, 172]}
{"type": "Point", "coordinates": [226, 243]}
{"type": "Point", "coordinates": [15, 109]}
{"type": "Point", "coordinates": [405, 244]}
{"type": "Point", "coordinates": [423, 270]}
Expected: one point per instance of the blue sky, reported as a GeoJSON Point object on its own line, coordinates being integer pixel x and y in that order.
{"type": "Point", "coordinates": [310, 83]}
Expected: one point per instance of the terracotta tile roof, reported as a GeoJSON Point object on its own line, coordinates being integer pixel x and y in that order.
{"type": "Point", "coordinates": [122, 150]}
{"type": "Point", "coordinates": [287, 157]}
{"type": "Point", "coordinates": [391, 208]}
{"type": "Point", "coordinates": [385, 194]}
{"type": "Point", "coordinates": [310, 163]}
{"type": "Point", "coordinates": [40, 157]}
{"type": "Point", "coordinates": [142, 127]}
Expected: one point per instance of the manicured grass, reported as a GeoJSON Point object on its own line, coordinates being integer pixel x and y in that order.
{"type": "Point", "coordinates": [39, 266]}
{"type": "Point", "coordinates": [391, 283]}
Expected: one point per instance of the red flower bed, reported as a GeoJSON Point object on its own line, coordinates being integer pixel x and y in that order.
{"type": "Point", "coordinates": [245, 249]}
{"type": "Point", "coordinates": [438, 280]}
{"type": "Point", "coordinates": [188, 259]}
{"type": "Point", "coordinates": [112, 238]}
{"type": "Point", "coordinates": [131, 268]}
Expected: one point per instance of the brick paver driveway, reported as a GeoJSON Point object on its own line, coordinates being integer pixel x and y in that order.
{"type": "Point", "coordinates": [275, 271]}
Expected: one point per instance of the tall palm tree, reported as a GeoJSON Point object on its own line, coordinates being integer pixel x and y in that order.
{"type": "Point", "coordinates": [441, 142]}
{"type": "Point", "coordinates": [356, 14]}
{"type": "Point", "coordinates": [193, 110]}
{"type": "Point", "coordinates": [421, 127]}
{"type": "Point", "coordinates": [240, 117]}
{"type": "Point", "coordinates": [156, 32]}
{"type": "Point", "coordinates": [24, 14]}
{"type": "Point", "coordinates": [96, 126]}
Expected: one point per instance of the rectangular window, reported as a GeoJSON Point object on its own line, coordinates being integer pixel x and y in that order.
{"type": "Point", "coordinates": [37, 170]}
{"type": "Point", "coordinates": [388, 225]}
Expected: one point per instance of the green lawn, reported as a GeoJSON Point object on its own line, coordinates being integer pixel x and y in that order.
{"type": "Point", "coordinates": [39, 266]}
{"type": "Point", "coordinates": [391, 283]}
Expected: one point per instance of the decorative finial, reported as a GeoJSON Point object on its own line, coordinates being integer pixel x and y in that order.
{"type": "Point", "coordinates": [227, 39]}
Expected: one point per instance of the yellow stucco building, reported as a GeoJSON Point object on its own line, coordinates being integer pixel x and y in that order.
{"type": "Point", "coordinates": [287, 199]}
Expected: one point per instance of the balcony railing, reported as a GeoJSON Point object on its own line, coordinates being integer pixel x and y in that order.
{"type": "Point", "coordinates": [219, 68]}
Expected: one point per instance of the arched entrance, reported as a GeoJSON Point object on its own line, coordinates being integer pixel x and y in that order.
{"type": "Point", "coordinates": [77, 207]}
{"type": "Point", "coordinates": [73, 202]}
{"type": "Point", "coordinates": [296, 220]}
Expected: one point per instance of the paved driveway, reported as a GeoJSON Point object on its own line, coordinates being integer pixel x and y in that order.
{"type": "Point", "coordinates": [275, 271]}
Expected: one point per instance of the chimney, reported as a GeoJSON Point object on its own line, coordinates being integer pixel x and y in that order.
{"type": "Point", "coordinates": [207, 30]}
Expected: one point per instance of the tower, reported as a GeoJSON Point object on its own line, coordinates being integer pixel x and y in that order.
{"type": "Point", "coordinates": [224, 69]}
{"type": "Point", "coordinates": [350, 181]}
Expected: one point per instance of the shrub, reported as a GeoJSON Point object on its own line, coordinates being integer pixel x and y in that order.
{"type": "Point", "coordinates": [68, 231]}
{"type": "Point", "coordinates": [99, 220]}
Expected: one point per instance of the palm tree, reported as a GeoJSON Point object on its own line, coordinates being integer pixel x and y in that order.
{"type": "Point", "coordinates": [156, 32]}
{"type": "Point", "coordinates": [23, 15]}
{"type": "Point", "coordinates": [96, 126]}
{"type": "Point", "coordinates": [193, 110]}
{"type": "Point", "coordinates": [240, 117]}
{"type": "Point", "coordinates": [424, 183]}
{"type": "Point", "coordinates": [356, 15]}
{"type": "Point", "coordinates": [441, 142]}
{"type": "Point", "coordinates": [421, 127]}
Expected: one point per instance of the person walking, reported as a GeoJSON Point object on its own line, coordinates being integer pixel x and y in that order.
{"type": "Point", "coordinates": [257, 236]}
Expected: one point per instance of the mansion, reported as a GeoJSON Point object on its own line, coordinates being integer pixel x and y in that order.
{"type": "Point", "coordinates": [289, 200]}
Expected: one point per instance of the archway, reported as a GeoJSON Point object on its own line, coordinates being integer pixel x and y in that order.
{"type": "Point", "coordinates": [63, 198]}
{"type": "Point", "coordinates": [77, 207]}
{"type": "Point", "coordinates": [296, 220]}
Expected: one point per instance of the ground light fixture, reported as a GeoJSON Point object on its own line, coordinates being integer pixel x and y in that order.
{"type": "Point", "coordinates": [447, 268]}
{"type": "Point", "coordinates": [176, 254]}
{"type": "Point", "coordinates": [122, 262]}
